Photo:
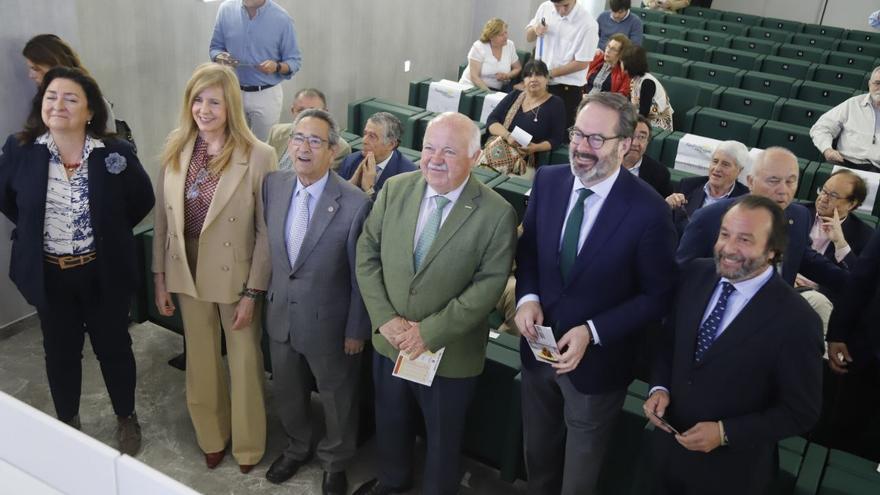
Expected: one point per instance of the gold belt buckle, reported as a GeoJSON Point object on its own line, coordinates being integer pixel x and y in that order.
{"type": "Point", "coordinates": [65, 262]}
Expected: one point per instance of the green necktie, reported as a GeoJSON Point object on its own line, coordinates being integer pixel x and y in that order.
{"type": "Point", "coordinates": [429, 232]}
{"type": "Point", "coordinates": [572, 232]}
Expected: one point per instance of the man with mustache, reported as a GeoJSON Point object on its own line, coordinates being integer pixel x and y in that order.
{"type": "Point", "coordinates": [596, 265]}
{"type": "Point", "coordinates": [855, 124]}
{"type": "Point", "coordinates": [742, 365]}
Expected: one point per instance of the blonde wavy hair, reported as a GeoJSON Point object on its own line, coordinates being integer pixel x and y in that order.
{"type": "Point", "coordinates": [493, 28]}
{"type": "Point", "coordinates": [238, 135]}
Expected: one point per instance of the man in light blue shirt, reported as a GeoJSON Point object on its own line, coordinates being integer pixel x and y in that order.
{"type": "Point", "coordinates": [258, 38]}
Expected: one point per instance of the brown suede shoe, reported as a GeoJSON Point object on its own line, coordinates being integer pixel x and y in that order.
{"type": "Point", "coordinates": [128, 434]}
{"type": "Point", "coordinates": [213, 459]}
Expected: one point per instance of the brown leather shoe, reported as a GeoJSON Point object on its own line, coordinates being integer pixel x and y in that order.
{"type": "Point", "coordinates": [245, 468]}
{"type": "Point", "coordinates": [128, 434]}
{"type": "Point", "coordinates": [213, 459]}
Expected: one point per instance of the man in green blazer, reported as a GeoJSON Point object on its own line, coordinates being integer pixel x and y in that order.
{"type": "Point", "coordinates": [432, 262]}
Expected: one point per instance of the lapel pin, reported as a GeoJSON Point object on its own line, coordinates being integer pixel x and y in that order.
{"type": "Point", "coordinates": [330, 209]}
{"type": "Point", "coordinates": [790, 221]}
{"type": "Point", "coordinates": [468, 207]}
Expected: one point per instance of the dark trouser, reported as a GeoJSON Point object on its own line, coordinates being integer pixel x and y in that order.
{"type": "Point", "coordinates": [444, 406]}
{"type": "Point", "coordinates": [337, 379]}
{"type": "Point", "coordinates": [853, 416]}
{"type": "Point", "coordinates": [75, 306]}
{"type": "Point", "coordinates": [571, 97]}
{"type": "Point", "coordinates": [566, 432]}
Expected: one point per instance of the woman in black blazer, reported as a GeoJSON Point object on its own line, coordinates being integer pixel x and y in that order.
{"type": "Point", "coordinates": [74, 197]}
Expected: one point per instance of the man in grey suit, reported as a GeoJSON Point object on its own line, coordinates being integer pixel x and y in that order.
{"type": "Point", "coordinates": [316, 319]}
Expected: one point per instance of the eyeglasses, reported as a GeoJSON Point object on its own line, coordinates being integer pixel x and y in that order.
{"type": "Point", "coordinates": [830, 194]}
{"type": "Point", "coordinates": [314, 141]}
{"type": "Point", "coordinates": [595, 141]}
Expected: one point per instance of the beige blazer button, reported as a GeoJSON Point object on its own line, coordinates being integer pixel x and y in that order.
{"type": "Point", "coordinates": [174, 256]}
{"type": "Point", "coordinates": [231, 219]}
{"type": "Point", "coordinates": [227, 244]}
{"type": "Point", "coordinates": [224, 268]}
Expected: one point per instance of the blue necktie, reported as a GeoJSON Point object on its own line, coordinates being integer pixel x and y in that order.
{"type": "Point", "coordinates": [709, 328]}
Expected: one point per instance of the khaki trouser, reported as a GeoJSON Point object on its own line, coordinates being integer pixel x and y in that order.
{"type": "Point", "coordinates": [219, 409]}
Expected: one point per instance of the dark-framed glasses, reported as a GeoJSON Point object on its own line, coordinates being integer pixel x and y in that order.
{"type": "Point", "coordinates": [595, 141]}
{"type": "Point", "coordinates": [831, 194]}
{"type": "Point", "coordinates": [314, 141]}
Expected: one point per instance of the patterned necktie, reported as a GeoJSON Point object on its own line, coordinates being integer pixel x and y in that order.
{"type": "Point", "coordinates": [298, 229]}
{"type": "Point", "coordinates": [709, 328]}
{"type": "Point", "coordinates": [572, 234]}
{"type": "Point", "coordinates": [429, 232]}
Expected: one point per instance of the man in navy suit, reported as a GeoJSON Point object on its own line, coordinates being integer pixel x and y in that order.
{"type": "Point", "coordinates": [643, 166]}
{"type": "Point", "coordinates": [379, 160]}
{"type": "Point", "coordinates": [597, 266]}
{"type": "Point", "coordinates": [742, 368]}
{"type": "Point", "coordinates": [774, 175]}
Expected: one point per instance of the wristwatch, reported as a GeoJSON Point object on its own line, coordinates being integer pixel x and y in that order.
{"type": "Point", "coordinates": [278, 67]}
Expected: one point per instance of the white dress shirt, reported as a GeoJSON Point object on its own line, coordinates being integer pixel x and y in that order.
{"type": "Point", "coordinates": [573, 37]}
{"type": "Point", "coordinates": [856, 124]}
{"type": "Point", "coordinates": [711, 200]}
{"type": "Point", "coordinates": [429, 204]}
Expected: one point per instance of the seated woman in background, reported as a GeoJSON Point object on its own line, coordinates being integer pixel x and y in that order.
{"type": "Point", "coordinates": [74, 196]}
{"type": "Point", "coordinates": [646, 92]}
{"type": "Point", "coordinates": [605, 72]}
{"type": "Point", "coordinates": [533, 110]}
{"type": "Point", "coordinates": [492, 60]}
{"type": "Point", "coordinates": [671, 6]}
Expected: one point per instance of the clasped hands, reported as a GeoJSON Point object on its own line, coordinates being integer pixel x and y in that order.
{"type": "Point", "coordinates": [404, 336]}
{"type": "Point", "coordinates": [365, 174]}
{"type": "Point", "coordinates": [704, 436]}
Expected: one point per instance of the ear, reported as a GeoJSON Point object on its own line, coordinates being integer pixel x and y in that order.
{"type": "Point", "coordinates": [750, 181]}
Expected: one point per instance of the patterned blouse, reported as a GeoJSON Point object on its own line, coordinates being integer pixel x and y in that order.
{"type": "Point", "coordinates": [67, 224]}
{"type": "Point", "coordinates": [198, 190]}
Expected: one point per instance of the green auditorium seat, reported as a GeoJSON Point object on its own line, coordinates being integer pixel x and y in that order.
{"type": "Point", "coordinates": [687, 49]}
{"type": "Point", "coordinates": [793, 137]}
{"type": "Point", "coordinates": [666, 31]}
{"type": "Point", "coordinates": [649, 15]}
{"type": "Point", "coordinates": [750, 20]}
{"type": "Point", "coordinates": [785, 66]}
{"type": "Point", "coordinates": [768, 83]}
{"type": "Point", "coordinates": [765, 33]}
{"type": "Point", "coordinates": [638, 389]}
{"type": "Point", "coordinates": [419, 90]}
{"type": "Point", "coordinates": [653, 44]}
{"type": "Point", "coordinates": [411, 154]}
{"type": "Point", "coordinates": [869, 48]}
{"type": "Point", "coordinates": [820, 30]}
{"type": "Point", "coordinates": [839, 76]}
{"type": "Point", "coordinates": [670, 150]}
{"type": "Point", "coordinates": [862, 36]}
{"type": "Point", "coordinates": [800, 112]}
{"type": "Point", "coordinates": [685, 21]}
{"type": "Point", "coordinates": [756, 104]}
{"type": "Point", "coordinates": [810, 474]}
{"type": "Point", "coordinates": [493, 431]}
{"type": "Point", "coordinates": [559, 155]}
{"type": "Point", "coordinates": [721, 40]}
{"type": "Point", "coordinates": [782, 24]}
{"type": "Point", "coordinates": [851, 60]}
{"type": "Point", "coordinates": [421, 125]}
{"type": "Point", "coordinates": [514, 190]}
{"type": "Point", "coordinates": [806, 53]}
{"type": "Point", "coordinates": [815, 41]}
{"type": "Point", "coordinates": [415, 90]}
{"type": "Point", "coordinates": [655, 147]}
{"type": "Point", "coordinates": [871, 220]}
{"type": "Point", "coordinates": [359, 111]}
{"type": "Point", "coordinates": [685, 94]}
{"type": "Point", "coordinates": [823, 172]}
{"type": "Point", "coordinates": [791, 454]}
{"type": "Point", "coordinates": [718, 124]}
{"type": "Point", "coordinates": [485, 174]}
{"type": "Point", "coordinates": [676, 176]}
{"type": "Point", "coordinates": [825, 94]}
{"type": "Point", "coordinates": [524, 56]}
{"type": "Point", "coordinates": [730, 57]}
{"type": "Point", "coordinates": [755, 45]}
{"type": "Point", "coordinates": [667, 65]}
{"type": "Point", "coordinates": [714, 73]}
{"type": "Point", "coordinates": [708, 14]}
{"type": "Point", "coordinates": [725, 27]}
{"type": "Point", "coordinates": [836, 481]}
{"type": "Point", "coordinates": [807, 174]}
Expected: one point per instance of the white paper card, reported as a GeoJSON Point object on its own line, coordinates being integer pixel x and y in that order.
{"type": "Point", "coordinates": [544, 348]}
{"type": "Point", "coordinates": [444, 95]}
{"type": "Point", "coordinates": [694, 154]}
{"type": "Point", "coordinates": [490, 101]}
{"type": "Point", "coordinates": [872, 180]}
{"type": "Point", "coordinates": [420, 370]}
{"type": "Point", "coordinates": [522, 137]}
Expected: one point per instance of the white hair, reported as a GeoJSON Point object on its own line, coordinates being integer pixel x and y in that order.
{"type": "Point", "coordinates": [473, 144]}
{"type": "Point", "coordinates": [761, 159]}
{"type": "Point", "coordinates": [738, 152]}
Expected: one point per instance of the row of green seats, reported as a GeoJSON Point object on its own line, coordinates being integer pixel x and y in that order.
{"type": "Point", "coordinates": [704, 50]}
{"type": "Point", "coordinates": [690, 14]}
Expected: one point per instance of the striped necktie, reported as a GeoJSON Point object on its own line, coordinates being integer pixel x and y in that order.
{"type": "Point", "coordinates": [298, 229]}
{"type": "Point", "coordinates": [429, 232]}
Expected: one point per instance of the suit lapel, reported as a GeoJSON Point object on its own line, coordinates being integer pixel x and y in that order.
{"type": "Point", "coordinates": [549, 226]}
{"type": "Point", "coordinates": [229, 181]}
{"type": "Point", "coordinates": [325, 209]}
{"type": "Point", "coordinates": [751, 319]}
{"type": "Point", "coordinates": [96, 187]}
{"type": "Point", "coordinates": [390, 169]}
{"type": "Point", "coordinates": [695, 201]}
{"type": "Point", "coordinates": [467, 203]}
{"type": "Point", "coordinates": [409, 219]}
{"type": "Point", "coordinates": [277, 215]}
{"type": "Point", "coordinates": [175, 182]}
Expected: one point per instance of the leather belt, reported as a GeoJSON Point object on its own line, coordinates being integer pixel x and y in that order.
{"type": "Point", "coordinates": [71, 261]}
{"type": "Point", "coordinates": [251, 89]}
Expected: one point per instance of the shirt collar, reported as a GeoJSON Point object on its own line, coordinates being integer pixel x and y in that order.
{"type": "Point", "coordinates": [452, 195]}
{"type": "Point", "coordinates": [725, 195]}
{"type": "Point", "coordinates": [315, 190]}
{"type": "Point", "coordinates": [259, 9]}
{"type": "Point", "coordinates": [628, 12]}
{"type": "Point", "coordinates": [384, 163]}
{"type": "Point", "coordinates": [635, 168]}
{"type": "Point", "coordinates": [47, 139]}
{"type": "Point", "coordinates": [602, 188]}
{"type": "Point", "coordinates": [748, 288]}
{"type": "Point", "coordinates": [572, 14]}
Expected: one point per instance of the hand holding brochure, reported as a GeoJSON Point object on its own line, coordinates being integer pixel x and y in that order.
{"type": "Point", "coordinates": [544, 347]}
{"type": "Point", "coordinates": [420, 370]}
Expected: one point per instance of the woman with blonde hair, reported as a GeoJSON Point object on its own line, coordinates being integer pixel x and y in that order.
{"type": "Point", "coordinates": [210, 248]}
{"type": "Point", "coordinates": [492, 60]}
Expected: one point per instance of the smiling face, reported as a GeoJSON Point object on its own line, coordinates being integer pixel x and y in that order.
{"type": "Point", "coordinates": [310, 161]}
{"type": "Point", "coordinates": [209, 110]}
{"type": "Point", "coordinates": [723, 171]}
{"type": "Point", "coordinates": [836, 193]}
{"type": "Point", "coordinates": [741, 249]}
{"type": "Point", "coordinates": [65, 107]}
{"type": "Point", "coordinates": [445, 161]}
{"type": "Point", "coordinates": [589, 164]}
